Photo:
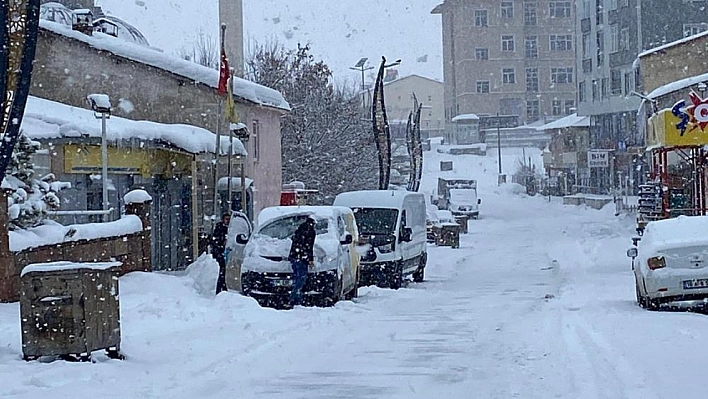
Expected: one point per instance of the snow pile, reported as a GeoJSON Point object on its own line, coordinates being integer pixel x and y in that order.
{"type": "Point", "coordinates": [54, 233]}
{"type": "Point", "coordinates": [204, 273]}
{"type": "Point", "coordinates": [137, 197]}
{"type": "Point", "coordinates": [46, 119]}
{"type": "Point", "coordinates": [250, 91]}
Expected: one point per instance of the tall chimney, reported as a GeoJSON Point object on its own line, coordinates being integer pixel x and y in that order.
{"type": "Point", "coordinates": [231, 14]}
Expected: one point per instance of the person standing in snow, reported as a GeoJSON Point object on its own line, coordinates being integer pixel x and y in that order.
{"type": "Point", "coordinates": [218, 247]}
{"type": "Point", "coordinates": [301, 256]}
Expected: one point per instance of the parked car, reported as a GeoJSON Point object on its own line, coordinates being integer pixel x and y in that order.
{"type": "Point", "coordinates": [393, 223]}
{"type": "Point", "coordinates": [266, 274]}
{"type": "Point", "coordinates": [670, 262]}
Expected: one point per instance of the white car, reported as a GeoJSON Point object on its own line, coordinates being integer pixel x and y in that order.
{"type": "Point", "coordinates": [266, 274]}
{"type": "Point", "coordinates": [670, 263]}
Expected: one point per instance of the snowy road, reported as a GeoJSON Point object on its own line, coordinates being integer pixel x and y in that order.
{"type": "Point", "coordinates": [537, 303]}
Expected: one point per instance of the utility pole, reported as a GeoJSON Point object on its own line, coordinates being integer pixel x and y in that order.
{"type": "Point", "coordinates": [499, 149]}
{"type": "Point", "coordinates": [217, 148]}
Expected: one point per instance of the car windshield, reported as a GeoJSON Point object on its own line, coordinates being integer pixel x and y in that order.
{"type": "Point", "coordinates": [283, 228]}
{"type": "Point", "coordinates": [463, 196]}
{"type": "Point", "coordinates": [376, 220]}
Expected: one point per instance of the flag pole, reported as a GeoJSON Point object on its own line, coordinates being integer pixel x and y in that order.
{"type": "Point", "coordinates": [217, 148]}
{"type": "Point", "coordinates": [231, 143]}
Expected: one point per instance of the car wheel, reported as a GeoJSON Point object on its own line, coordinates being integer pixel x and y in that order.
{"type": "Point", "coordinates": [640, 299]}
{"type": "Point", "coordinates": [354, 292]}
{"type": "Point", "coordinates": [396, 278]}
{"type": "Point", "coordinates": [419, 275]}
{"type": "Point", "coordinates": [336, 294]}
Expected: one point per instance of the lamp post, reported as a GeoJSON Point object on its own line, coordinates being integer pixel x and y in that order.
{"type": "Point", "coordinates": [499, 149]}
{"type": "Point", "coordinates": [101, 106]}
{"type": "Point", "coordinates": [360, 67]}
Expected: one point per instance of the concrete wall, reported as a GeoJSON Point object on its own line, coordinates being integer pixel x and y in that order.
{"type": "Point", "coordinates": [399, 100]}
{"type": "Point", "coordinates": [678, 62]}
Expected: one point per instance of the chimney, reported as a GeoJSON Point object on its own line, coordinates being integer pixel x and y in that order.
{"type": "Point", "coordinates": [231, 14]}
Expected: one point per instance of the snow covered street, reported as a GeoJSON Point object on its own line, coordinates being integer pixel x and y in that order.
{"type": "Point", "coordinates": [538, 302]}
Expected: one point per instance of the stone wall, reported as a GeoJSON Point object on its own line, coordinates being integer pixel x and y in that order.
{"type": "Point", "coordinates": [675, 63]}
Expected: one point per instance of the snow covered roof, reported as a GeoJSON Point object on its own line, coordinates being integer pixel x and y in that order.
{"type": "Point", "coordinates": [319, 212]}
{"type": "Point", "coordinates": [677, 85]}
{"type": "Point", "coordinates": [64, 265]}
{"type": "Point", "coordinates": [244, 89]}
{"type": "Point", "coordinates": [466, 117]}
{"type": "Point", "coordinates": [392, 199]}
{"type": "Point", "coordinates": [572, 120]}
{"type": "Point", "coordinates": [46, 119]}
{"type": "Point", "coordinates": [672, 44]}
{"type": "Point", "coordinates": [682, 231]}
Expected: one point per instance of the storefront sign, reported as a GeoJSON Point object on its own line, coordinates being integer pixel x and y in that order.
{"type": "Point", "coordinates": [598, 159]}
{"type": "Point", "coordinates": [680, 126]}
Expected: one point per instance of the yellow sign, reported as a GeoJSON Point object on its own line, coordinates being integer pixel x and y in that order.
{"type": "Point", "coordinates": [663, 130]}
{"type": "Point", "coordinates": [86, 159]}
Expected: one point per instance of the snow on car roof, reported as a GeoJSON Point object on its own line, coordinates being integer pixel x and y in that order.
{"type": "Point", "coordinates": [319, 212]}
{"type": "Point", "coordinates": [374, 198]}
{"type": "Point", "coordinates": [672, 233]}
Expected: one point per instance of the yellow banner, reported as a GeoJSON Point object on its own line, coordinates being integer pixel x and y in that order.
{"type": "Point", "coordinates": [663, 131]}
{"type": "Point", "coordinates": [86, 159]}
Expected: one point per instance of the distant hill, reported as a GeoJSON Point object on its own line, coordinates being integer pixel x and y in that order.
{"type": "Point", "coordinates": [341, 32]}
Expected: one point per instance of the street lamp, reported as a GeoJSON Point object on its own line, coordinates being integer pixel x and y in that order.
{"type": "Point", "coordinates": [360, 67]}
{"type": "Point", "coordinates": [101, 106]}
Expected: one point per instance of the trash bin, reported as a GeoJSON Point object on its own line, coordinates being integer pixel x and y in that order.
{"type": "Point", "coordinates": [462, 221]}
{"type": "Point", "coordinates": [70, 309]}
{"type": "Point", "coordinates": [447, 234]}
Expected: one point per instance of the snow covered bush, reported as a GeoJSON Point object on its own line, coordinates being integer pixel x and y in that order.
{"type": "Point", "coordinates": [30, 197]}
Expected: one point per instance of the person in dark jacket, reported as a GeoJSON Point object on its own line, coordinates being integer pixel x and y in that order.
{"type": "Point", "coordinates": [301, 256]}
{"type": "Point", "coordinates": [218, 247]}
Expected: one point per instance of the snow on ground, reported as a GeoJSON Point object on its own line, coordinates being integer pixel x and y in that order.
{"type": "Point", "coordinates": [538, 302]}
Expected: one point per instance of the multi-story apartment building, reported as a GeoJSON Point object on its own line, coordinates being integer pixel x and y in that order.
{"type": "Point", "coordinates": [511, 57]}
{"type": "Point", "coordinates": [610, 34]}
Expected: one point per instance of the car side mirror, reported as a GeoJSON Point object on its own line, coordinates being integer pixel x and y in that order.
{"type": "Point", "coordinates": [407, 234]}
{"type": "Point", "coordinates": [241, 239]}
{"type": "Point", "coordinates": [479, 201]}
{"type": "Point", "coordinates": [347, 240]}
{"type": "Point", "coordinates": [632, 253]}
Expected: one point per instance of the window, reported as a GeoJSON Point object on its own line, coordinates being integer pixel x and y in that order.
{"type": "Point", "coordinates": [508, 43]}
{"type": "Point", "coordinates": [532, 110]}
{"type": "Point", "coordinates": [614, 38]}
{"type": "Point", "coordinates": [595, 90]}
{"type": "Point", "coordinates": [480, 18]}
{"type": "Point", "coordinates": [559, 9]}
{"type": "Point", "coordinates": [586, 45]}
{"type": "Point", "coordinates": [531, 47]}
{"type": "Point", "coordinates": [600, 48]}
{"type": "Point", "coordinates": [561, 42]}
{"type": "Point", "coordinates": [615, 82]}
{"type": "Point", "coordinates": [694, 29]}
{"type": "Point", "coordinates": [612, 4]}
{"type": "Point", "coordinates": [508, 76]}
{"type": "Point", "coordinates": [599, 16]}
{"type": "Point", "coordinates": [561, 75]}
{"type": "Point", "coordinates": [605, 87]}
{"type": "Point", "coordinates": [581, 92]}
{"type": "Point", "coordinates": [556, 108]}
{"type": "Point", "coordinates": [507, 9]}
{"type": "Point", "coordinates": [529, 13]}
{"type": "Point", "coordinates": [532, 79]}
{"type": "Point", "coordinates": [481, 54]}
{"type": "Point", "coordinates": [624, 39]}
{"type": "Point", "coordinates": [627, 83]}
{"type": "Point", "coordinates": [430, 99]}
{"type": "Point", "coordinates": [482, 86]}
{"type": "Point", "coordinates": [569, 107]}
{"type": "Point", "coordinates": [255, 134]}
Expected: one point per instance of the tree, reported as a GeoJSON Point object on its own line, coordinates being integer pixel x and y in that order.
{"type": "Point", "coordinates": [205, 51]}
{"type": "Point", "coordinates": [31, 198]}
{"type": "Point", "coordinates": [327, 143]}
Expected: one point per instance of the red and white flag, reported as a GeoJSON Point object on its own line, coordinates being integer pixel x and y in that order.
{"type": "Point", "coordinates": [224, 74]}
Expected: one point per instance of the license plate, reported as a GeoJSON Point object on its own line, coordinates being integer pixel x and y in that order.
{"type": "Point", "coordinates": [282, 283]}
{"type": "Point", "coordinates": [697, 283]}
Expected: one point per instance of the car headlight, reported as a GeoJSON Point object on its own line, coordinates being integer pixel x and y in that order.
{"type": "Point", "coordinates": [385, 248]}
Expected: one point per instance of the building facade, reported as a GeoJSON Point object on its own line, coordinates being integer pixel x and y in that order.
{"type": "Point", "coordinates": [610, 34]}
{"type": "Point", "coordinates": [399, 103]}
{"type": "Point", "coordinates": [508, 57]}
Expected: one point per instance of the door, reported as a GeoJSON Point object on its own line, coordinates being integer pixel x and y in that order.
{"type": "Point", "coordinates": [354, 256]}
{"type": "Point", "coordinates": [239, 225]}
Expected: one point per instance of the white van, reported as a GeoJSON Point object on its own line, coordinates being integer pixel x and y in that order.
{"type": "Point", "coordinates": [393, 223]}
{"type": "Point", "coordinates": [266, 274]}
